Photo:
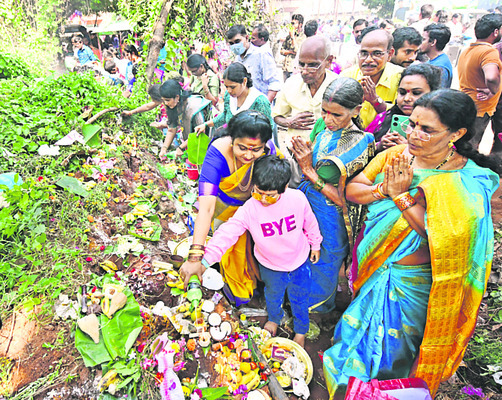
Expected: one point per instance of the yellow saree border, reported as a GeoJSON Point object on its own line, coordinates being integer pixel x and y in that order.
{"type": "Point", "coordinates": [454, 301]}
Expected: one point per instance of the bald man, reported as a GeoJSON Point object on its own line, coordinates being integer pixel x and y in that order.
{"type": "Point", "coordinates": [298, 104]}
{"type": "Point", "coordinates": [377, 75]}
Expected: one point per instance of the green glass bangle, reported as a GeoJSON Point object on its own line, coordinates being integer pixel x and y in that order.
{"type": "Point", "coordinates": [319, 184]}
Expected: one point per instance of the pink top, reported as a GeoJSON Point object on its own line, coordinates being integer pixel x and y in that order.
{"type": "Point", "coordinates": [283, 232]}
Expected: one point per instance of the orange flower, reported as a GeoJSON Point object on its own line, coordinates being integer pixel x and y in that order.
{"type": "Point", "coordinates": [191, 344]}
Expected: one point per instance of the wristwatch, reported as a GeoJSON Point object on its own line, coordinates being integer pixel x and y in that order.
{"type": "Point", "coordinates": [378, 102]}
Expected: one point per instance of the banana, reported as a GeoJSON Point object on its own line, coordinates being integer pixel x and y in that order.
{"type": "Point", "coordinates": [110, 378]}
{"type": "Point", "coordinates": [255, 382]}
{"type": "Point", "coordinates": [129, 217]}
{"type": "Point", "coordinates": [141, 209]}
{"type": "Point", "coordinates": [249, 377]}
{"type": "Point", "coordinates": [105, 306]}
{"type": "Point", "coordinates": [109, 266]}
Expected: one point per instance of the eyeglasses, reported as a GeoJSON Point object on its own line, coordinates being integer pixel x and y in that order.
{"type": "Point", "coordinates": [363, 55]}
{"type": "Point", "coordinates": [266, 197]}
{"type": "Point", "coordinates": [421, 135]}
{"type": "Point", "coordinates": [311, 67]}
{"type": "Point", "coordinates": [76, 41]}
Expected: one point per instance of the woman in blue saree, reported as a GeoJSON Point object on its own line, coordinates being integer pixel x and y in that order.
{"type": "Point", "coordinates": [424, 253]}
{"type": "Point", "coordinates": [339, 149]}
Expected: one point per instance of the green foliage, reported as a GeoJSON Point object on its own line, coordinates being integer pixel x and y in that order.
{"type": "Point", "coordinates": [43, 112]}
{"type": "Point", "coordinates": [383, 8]}
{"type": "Point", "coordinates": [29, 269]}
{"type": "Point", "coordinates": [190, 20]}
{"type": "Point", "coordinates": [12, 66]}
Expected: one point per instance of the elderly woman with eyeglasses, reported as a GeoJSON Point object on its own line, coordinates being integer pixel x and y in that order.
{"type": "Point", "coordinates": [424, 254]}
{"type": "Point", "coordinates": [339, 149]}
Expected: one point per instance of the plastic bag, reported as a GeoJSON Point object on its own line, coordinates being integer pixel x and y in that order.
{"type": "Point", "coordinates": [394, 389]}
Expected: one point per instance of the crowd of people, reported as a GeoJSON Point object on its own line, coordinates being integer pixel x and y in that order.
{"type": "Point", "coordinates": [368, 163]}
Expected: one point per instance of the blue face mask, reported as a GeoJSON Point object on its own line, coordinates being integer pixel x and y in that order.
{"type": "Point", "coordinates": [238, 48]}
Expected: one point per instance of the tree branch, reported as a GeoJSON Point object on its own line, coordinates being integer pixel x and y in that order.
{"type": "Point", "coordinates": [158, 39]}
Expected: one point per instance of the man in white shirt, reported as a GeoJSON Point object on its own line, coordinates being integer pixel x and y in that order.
{"type": "Point", "coordinates": [425, 18]}
{"type": "Point", "coordinates": [260, 37]}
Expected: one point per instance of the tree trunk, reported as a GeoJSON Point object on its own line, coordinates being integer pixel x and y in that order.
{"type": "Point", "coordinates": [157, 40]}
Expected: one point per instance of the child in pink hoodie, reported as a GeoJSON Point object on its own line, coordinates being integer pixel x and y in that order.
{"type": "Point", "coordinates": [285, 232]}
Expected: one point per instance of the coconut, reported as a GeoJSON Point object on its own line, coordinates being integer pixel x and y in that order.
{"type": "Point", "coordinates": [226, 327]}
{"type": "Point", "coordinates": [216, 333]}
{"type": "Point", "coordinates": [258, 395]}
{"type": "Point", "coordinates": [214, 319]}
{"type": "Point", "coordinates": [208, 306]}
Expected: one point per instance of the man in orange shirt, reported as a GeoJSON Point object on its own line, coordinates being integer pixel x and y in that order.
{"type": "Point", "coordinates": [479, 69]}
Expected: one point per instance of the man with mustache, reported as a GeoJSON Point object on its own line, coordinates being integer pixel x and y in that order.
{"type": "Point", "coordinates": [436, 37]}
{"type": "Point", "coordinates": [378, 77]}
{"type": "Point", "coordinates": [406, 43]}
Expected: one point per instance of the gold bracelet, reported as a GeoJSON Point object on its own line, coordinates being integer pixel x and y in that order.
{"type": "Point", "coordinates": [319, 184]}
{"type": "Point", "coordinates": [404, 201]}
{"type": "Point", "coordinates": [195, 252]}
{"type": "Point", "coordinates": [197, 246]}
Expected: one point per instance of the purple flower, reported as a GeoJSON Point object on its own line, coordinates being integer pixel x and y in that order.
{"type": "Point", "coordinates": [472, 391]}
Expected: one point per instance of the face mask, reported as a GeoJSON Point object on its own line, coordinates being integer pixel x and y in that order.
{"type": "Point", "coordinates": [238, 48]}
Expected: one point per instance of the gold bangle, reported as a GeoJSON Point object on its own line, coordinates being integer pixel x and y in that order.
{"type": "Point", "coordinates": [197, 246]}
{"type": "Point", "coordinates": [404, 201]}
{"type": "Point", "coordinates": [380, 191]}
{"type": "Point", "coordinates": [195, 252]}
{"type": "Point", "coordinates": [376, 191]}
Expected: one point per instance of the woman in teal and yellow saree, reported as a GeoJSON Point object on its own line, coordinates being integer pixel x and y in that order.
{"type": "Point", "coordinates": [424, 254]}
{"type": "Point", "coordinates": [338, 152]}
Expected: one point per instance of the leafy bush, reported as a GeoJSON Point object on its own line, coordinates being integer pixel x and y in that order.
{"type": "Point", "coordinates": [44, 111]}
{"type": "Point", "coordinates": [12, 67]}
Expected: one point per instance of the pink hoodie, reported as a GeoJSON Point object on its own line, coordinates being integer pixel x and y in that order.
{"type": "Point", "coordinates": [284, 232]}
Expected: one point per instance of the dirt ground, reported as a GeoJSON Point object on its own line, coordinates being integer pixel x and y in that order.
{"type": "Point", "coordinates": [36, 349]}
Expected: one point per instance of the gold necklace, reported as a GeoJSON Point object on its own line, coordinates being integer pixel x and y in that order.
{"type": "Point", "coordinates": [441, 163]}
{"type": "Point", "coordinates": [245, 187]}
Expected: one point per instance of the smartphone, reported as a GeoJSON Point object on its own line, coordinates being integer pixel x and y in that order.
{"type": "Point", "coordinates": [399, 124]}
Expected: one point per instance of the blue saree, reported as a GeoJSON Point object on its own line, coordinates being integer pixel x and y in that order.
{"type": "Point", "coordinates": [336, 156]}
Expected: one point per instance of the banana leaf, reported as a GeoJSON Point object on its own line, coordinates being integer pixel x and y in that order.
{"type": "Point", "coordinates": [197, 147]}
{"type": "Point", "coordinates": [157, 229]}
{"type": "Point", "coordinates": [117, 335]}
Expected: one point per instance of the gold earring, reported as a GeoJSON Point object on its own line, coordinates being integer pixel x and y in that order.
{"type": "Point", "coordinates": [450, 144]}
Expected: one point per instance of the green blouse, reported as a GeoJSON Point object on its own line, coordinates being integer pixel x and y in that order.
{"type": "Point", "coordinates": [260, 104]}
{"type": "Point", "coordinates": [328, 173]}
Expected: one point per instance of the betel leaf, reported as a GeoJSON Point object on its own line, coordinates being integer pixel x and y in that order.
{"type": "Point", "coordinates": [197, 148]}
{"type": "Point", "coordinates": [73, 185]}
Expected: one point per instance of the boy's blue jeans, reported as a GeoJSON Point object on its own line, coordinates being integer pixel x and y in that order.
{"type": "Point", "coordinates": [297, 284]}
